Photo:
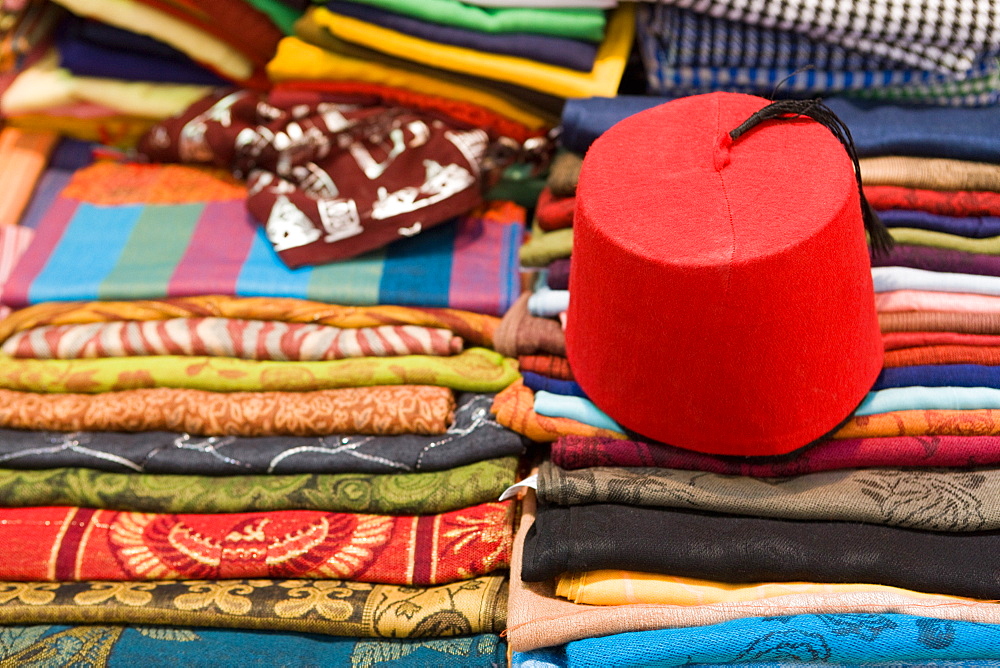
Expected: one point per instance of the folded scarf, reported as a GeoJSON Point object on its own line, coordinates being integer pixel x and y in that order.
{"type": "Point", "coordinates": [984, 422]}
{"type": "Point", "coordinates": [548, 303]}
{"type": "Point", "coordinates": [474, 436]}
{"type": "Point", "coordinates": [925, 300]}
{"type": "Point", "coordinates": [380, 494]}
{"type": "Point", "coordinates": [14, 240]}
{"type": "Point", "coordinates": [938, 375]}
{"type": "Point", "coordinates": [937, 321]}
{"type": "Point", "coordinates": [945, 203]}
{"type": "Point", "coordinates": [573, 54]}
{"type": "Point", "coordinates": [475, 328]}
{"type": "Point", "coordinates": [120, 209]}
{"type": "Point", "coordinates": [603, 79]}
{"type": "Point", "coordinates": [976, 227]}
{"type": "Point", "coordinates": [124, 645]}
{"type": "Point", "coordinates": [574, 408]}
{"type": "Point", "coordinates": [564, 174]}
{"type": "Point", "coordinates": [938, 259]}
{"type": "Point", "coordinates": [538, 383]}
{"type": "Point", "coordinates": [75, 544]}
{"type": "Point", "coordinates": [615, 587]}
{"type": "Point", "coordinates": [887, 279]}
{"type": "Point", "coordinates": [929, 398]}
{"type": "Point", "coordinates": [537, 618]}
{"type": "Point", "coordinates": [918, 237]}
{"type": "Point", "coordinates": [838, 639]}
{"type": "Point", "coordinates": [587, 24]}
{"type": "Point", "coordinates": [546, 365]}
{"type": "Point", "coordinates": [521, 333]}
{"type": "Point", "coordinates": [983, 360]}
{"type": "Point", "coordinates": [329, 607]}
{"type": "Point", "coordinates": [930, 173]}
{"type": "Point", "coordinates": [902, 340]}
{"type": "Point", "coordinates": [223, 337]}
{"type": "Point", "coordinates": [514, 409]}
{"type": "Point", "coordinates": [554, 213]}
{"type": "Point", "coordinates": [475, 370]}
{"type": "Point", "coordinates": [751, 549]}
{"type": "Point", "coordinates": [416, 409]}
{"type": "Point", "coordinates": [23, 159]}
{"type": "Point", "coordinates": [544, 248]}
{"type": "Point", "coordinates": [952, 501]}
{"type": "Point", "coordinates": [557, 275]}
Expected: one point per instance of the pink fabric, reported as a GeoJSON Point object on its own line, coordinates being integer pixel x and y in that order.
{"type": "Point", "coordinates": [13, 242]}
{"type": "Point", "coordinates": [922, 300]}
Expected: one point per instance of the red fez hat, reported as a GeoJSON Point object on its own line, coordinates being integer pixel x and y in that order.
{"type": "Point", "coordinates": [721, 287]}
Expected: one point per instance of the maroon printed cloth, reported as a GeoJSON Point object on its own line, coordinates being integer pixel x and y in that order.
{"type": "Point", "coordinates": [330, 181]}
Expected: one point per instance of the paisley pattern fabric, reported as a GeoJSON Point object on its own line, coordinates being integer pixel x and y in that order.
{"type": "Point", "coordinates": [330, 607]}
{"type": "Point", "coordinates": [984, 422]}
{"type": "Point", "coordinates": [959, 203]}
{"type": "Point", "coordinates": [224, 337]}
{"type": "Point", "coordinates": [514, 408]}
{"type": "Point", "coordinates": [126, 646]}
{"type": "Point", "coordinates": [391, 494]}
{"type": "Point", "coordinates": [476, 329]}
{"type": "Point", "coordinates": [475, 370]}
{"type": "Point", "coordinates": [74, 544]}
{"type": "Point", "coordinates": [927, 500]}
{"type": "Point", "coordinates": [404, 409]}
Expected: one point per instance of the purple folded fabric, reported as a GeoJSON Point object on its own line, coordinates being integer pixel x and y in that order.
{"type": "Point", "coordinates": [939, 259]}
{"type": "Point", "coordinates": [539, 383]}
{"type": "Point", "coordinates": [558, 274]}
{"type": "Point", "coordinates": [558, 51]}
{"type": "Point", "coordinates": [937, 375]}
{"type": "Point", "coordinates": [977, 227]}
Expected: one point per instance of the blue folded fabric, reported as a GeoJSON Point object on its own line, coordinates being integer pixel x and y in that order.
{"type": "Point", "coordinates": [539, 383]}
{"type": "Point", "coordinates": [568, 53]}
{"type": "Point", "coordinates": [939, 375]}
{"type": "Point", "coordinates": [944, 398]}
{"type": "Point", "coordinates": [974, 227]}
{"type": "Point", "coordinates": [888, 279]}
{"type": "Point", "coordinates": [574, 408]}
{"type": "Point", "coordinates": [877, 129]}
{"type": "Point", "coordinates": [547, 303]}
{"type": "Point", "coordinates": [851, 639]}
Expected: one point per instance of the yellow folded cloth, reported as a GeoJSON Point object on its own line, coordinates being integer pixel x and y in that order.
{"type": "Point", "coordinates": [602, 81]}
{"type": "Point", "coordinates": [612, 587]}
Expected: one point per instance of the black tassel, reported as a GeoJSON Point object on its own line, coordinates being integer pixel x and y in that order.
{"type": "Point", "coordinates": [878, 235]}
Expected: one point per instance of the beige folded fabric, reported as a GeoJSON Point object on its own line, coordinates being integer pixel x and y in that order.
{"type": "Point", "coordinates": [930, 173]}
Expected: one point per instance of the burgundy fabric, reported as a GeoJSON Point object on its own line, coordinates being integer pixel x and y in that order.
{"type": "Point", "coordinates": [557, 276]}
{"type": "Point", "coordinates": [902, 340]}
{"type": "Point", "coordinates": [943, 202]}
{"type": "Point", "coordinates": [939, 259]}
{"type": "Point", "coordinates": [580, 452]}
{"type": "Point", "coordinates": [330, 182]}
{"type": "Point", "coordinates": [554, 213]}
{"type": "Point", "coordinates": [728, 282]}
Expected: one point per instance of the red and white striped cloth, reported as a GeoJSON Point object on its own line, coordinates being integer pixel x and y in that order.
{"type": "Point", "coordinates": [226, 337]}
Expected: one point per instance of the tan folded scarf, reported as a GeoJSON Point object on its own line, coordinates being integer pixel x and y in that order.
{"type": "Point", "coordinates": [930, 173]}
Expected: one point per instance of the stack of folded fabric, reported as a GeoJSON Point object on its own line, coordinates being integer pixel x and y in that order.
{"type": "Point", "coordinates": [116, 69]}
{"type": "Point", "coordinates": [519, 62]}
{"type": "Point", "coordinates": [940, 55]}
{"type": "Point", "coordinates": [195, 435]}
{"type": "Point", "coordinates": [873, 544]}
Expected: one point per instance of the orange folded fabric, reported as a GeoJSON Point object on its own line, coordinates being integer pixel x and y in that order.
{"type": "Point", "coordinates": [900, 340]}
{"type": "Point", "coordinates": [985, 355]}
{"type": "Point", "coordinates": [940, 321]}
{"type": "Point", "coordinates": [514, 409]}
{"type": "Point", "coordinates": [546, 365]}
{"type": "Point", "coordinates": [923, 423]}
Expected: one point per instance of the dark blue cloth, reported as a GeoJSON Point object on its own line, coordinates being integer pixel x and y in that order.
{"type": "Point", "coordinates": [877, 129]}
{"type": "Point", "coordinates": [540, 383]}
{"type": "Point", "coordinates": [92, 59]}
{"type": "Point", "coordinates": [977, 227]}
{"type": "Point", "coordinates": [559, 51]}
{"type": "Point", "coordinates": [107, 35]}
{"type": "Point", "coordinates": [939, 375]}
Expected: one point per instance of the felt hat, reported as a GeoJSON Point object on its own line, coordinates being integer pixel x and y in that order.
{"type": "Point", "coordinates": [721, 281]}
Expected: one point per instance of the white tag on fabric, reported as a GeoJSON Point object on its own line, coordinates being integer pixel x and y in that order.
{"type": "Point", "coordinates": [531, 482]}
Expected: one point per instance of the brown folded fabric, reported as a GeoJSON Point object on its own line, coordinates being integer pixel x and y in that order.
{"type": "Point", "coordinates": [929, 500]}
{"type": "Point", "coordinates": [514, 408]}
{"type": "Point", "coordinates": [985, 355]}
{"type": "Point", "coordinates": [546, 365]}
{"type": "Point", "coordinates": [475, 328]}
{"type": "Point", "coordinates": [564, 174]}
{"type": "Point", "coordinates": [393, 409]}
{"type": "Point", "coordinates": [930, 173]}
{"type": "Point", "coordinates": [938, 321]}
{"type": "Point", "coordinates": [521, 333]}
{"type": "Point", "coordinates": [984, 422]}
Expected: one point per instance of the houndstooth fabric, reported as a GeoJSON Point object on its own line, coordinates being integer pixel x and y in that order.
{"type": "Point", "coordinates": [947, 36]}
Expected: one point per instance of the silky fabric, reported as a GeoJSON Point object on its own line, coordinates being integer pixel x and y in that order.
{"type": "Point", "coordinates": [751, 549]}
{"type": "Point", "coordinates": [975, 227]}
{"type": "Point", "coordinates": [951, 501]}
{"type": "Point", "coordinates": [366, 410]}
{"type": "Point", "coordinates": [886, 279]}
{"type": "Point", "coordinates": [14, 240]}
{"type": "Point", "coordinates": [473, 436]}
{"type": "Point", "coordinates": [121, 646]}
{"type": "Point", "coordinates": [537, 618]}
{"type": "Point", "coordinates": [937, 321]}
{"type": "Point", "coordinates": [576, 452]}
{"type": "Point", "coordinates": [918, 237]}
{"type": "Point", "coordinates": [573, 54]}
{"type": "Point", "coordinates": [574, 408]}
{"type": "Point", "coordinates": [23, 162]}
{"type": "Point", "coordinates": [943, 375]}
{"type": "Point", "coordinates": [329, 607]}
{"type": "Point", "coordinates": [938, 259]}
{"type": "Point", "coordinates": [548, 303]}
{"type": "Point", "coordinates": [547, 365]}
{"type": "Point", "coordinates": [538, 383]}
{"type": "Point", "coordinates": [945, 203]}
{"type": "Point", "coordinates": [925, 300]}
{"type": "Point", "coordinates": [902, 340]}
{"type": "Point", "coordinates": [514, 409]}
{"type": "Point", "coordinates": [474, 370]}
{"type": "Point", "coordinates": [929, 398]}
{"type": "Point", "coordinates": [393, 494]}
{"type": "Point", "coordinates": [945, 357]}
{"type": "Point", "coordinates": [930, 173]}
{"type": "Point", "coordinates": [985, 422]}
{"type": "Point", "coordinates": [521, 333]}
{"type": "Point", "coordinates": [476, 329]}
{"type": "Point", "coordinates": [76, 544]}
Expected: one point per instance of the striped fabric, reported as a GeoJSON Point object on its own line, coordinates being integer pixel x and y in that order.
{"type": "Point", "coordinates": [134, 245]}
{"type": "Point", "coordinates": [13, 242]}
{"type": "Point", "coordinates": [225, 337]}
{"type": "Point", "coordinates": [688, 53]}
